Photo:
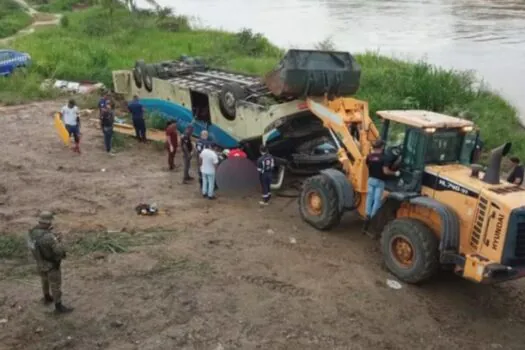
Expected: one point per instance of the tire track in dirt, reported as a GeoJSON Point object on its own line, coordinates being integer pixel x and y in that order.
{"type": "Point", "coordinates": [275, 285]}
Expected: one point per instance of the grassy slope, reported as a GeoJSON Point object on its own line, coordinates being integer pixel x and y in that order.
{"type": "Point", "coordinates": [56, 6]}
{"type": "Point", "coordinates": [12, 18]}
{"type": "Point", "coordinates": [90, 46]}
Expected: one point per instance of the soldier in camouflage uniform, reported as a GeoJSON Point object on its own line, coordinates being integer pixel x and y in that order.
{"type": "Point", "coordinates": [48, 253]}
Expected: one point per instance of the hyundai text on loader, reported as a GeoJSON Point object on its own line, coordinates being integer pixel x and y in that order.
{"type": "Point", "coordinates": [441, 210]}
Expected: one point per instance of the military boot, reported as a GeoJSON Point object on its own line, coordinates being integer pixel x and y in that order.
{"type": "Point", "coordinates": [47, 299]}
{"type": "Point", "coordinates": [61, 309]}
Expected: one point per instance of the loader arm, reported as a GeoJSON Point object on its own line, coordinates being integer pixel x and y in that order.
{"type": "Point", "coordinates": [340, 116]}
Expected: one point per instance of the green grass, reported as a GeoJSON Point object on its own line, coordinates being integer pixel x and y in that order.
{"type": "Point", "coordinates": [13, 18]}
{"type": "Point", "coordinates": [13, 246]}
{"type": "Point", "coordinates": [57, 6]}
{"type": "Point", "coordinates": [22, 87]}
{"type": "Point", "coordinates": [90, 44]}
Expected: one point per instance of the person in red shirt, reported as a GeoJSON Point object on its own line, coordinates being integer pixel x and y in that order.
{"type": "Point", "coordinates": [172, 140]}
{"type": "Point", "coordinates": [237, 152]}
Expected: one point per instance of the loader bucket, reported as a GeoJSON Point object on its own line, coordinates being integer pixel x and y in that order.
{"type": "Point", "coordinates": [303, 73]}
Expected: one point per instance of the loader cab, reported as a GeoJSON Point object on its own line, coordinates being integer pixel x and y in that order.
{"type": "Point", "coordinates": [404, 151]}
{"type": "Point", "coordinates": [409, 148]}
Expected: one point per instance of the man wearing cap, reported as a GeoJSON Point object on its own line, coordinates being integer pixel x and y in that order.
{"type": "Point", "coordinates": [378, 171]}
{"type": "Point", "coordinates": [48, 252]}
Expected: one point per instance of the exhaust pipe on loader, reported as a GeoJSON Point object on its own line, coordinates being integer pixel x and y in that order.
{"type": "Point", "coordinates": [492, 175]}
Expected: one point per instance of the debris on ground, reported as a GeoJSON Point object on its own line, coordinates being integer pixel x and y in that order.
{"type": "Point", "coordinates": [147, 209]}
{"type": "Point", "coordinates": [393, 284]}
{"type": "Point", "coordinates": [293, 240]}
{"type": "Point", "coordinates": [117, 324]}
{"type": "Point", "coordinates": [83, 87]}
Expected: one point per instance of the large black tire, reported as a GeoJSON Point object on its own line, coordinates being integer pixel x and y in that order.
{"type": "Point", "coordinates": [148, 72]}
{"type": "Point", "coordinates": [329, 214]}
{"type": "Point", "coordinates": [307, 146]}
{"type": "Point", "coordinates": [424, 261]}
{"type": "Point", "coordinates": [230, 94]}
{"type": "Point", "coordinates": [137, 73]}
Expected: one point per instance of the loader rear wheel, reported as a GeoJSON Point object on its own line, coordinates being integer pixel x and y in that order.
{"type": "Point", "coordinates": [318, 203]}
{"type": "Point", "coordinates": [410, 250]}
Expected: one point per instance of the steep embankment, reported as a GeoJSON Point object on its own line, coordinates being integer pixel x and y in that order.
{"type": "Point", "coordinates": [22, 19]}
{"type": "Point", "coordinates": [90, 43]}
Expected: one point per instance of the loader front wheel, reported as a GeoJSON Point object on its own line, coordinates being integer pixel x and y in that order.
{"type": "Point", "coordinates": [318, 203]}
{"type": "Point", "coordinates": [410, 250]}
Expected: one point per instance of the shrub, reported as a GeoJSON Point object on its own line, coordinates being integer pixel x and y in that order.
{"type": "Point", "coordinates": [22, 87]}
{"type": "Point", "coordinates": [174, 24]}
{"type": "Point", "coordinates": [64, 21]}
{"type": "Point", "coordinates": [155, 120]}
{"type": "Point", "coordinates": [61, 5]}
{"type": "Point", "coordinates": [13, 18]}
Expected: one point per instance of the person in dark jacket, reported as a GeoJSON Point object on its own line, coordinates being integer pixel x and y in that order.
{"type": "Point", "coordinates": [476, 152]}
{"type": "Point", "coordinates": [137, 117]}
{"type": "Point", "coordinates": [102, 105]}
{"type": "Point", "coordinates": [187, 152]}
{"type": "Point", "coordinates": [378, 171]}
{"type": "Point", "coordinates": [516, 174]}
{"type": "Point", "coordinates": [265, 165]}
{"type": "Point", "coordinates": [107, 120]}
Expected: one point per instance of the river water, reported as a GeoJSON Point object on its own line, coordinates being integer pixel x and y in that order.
{"type": "Point", "coordinates": [487, 36]}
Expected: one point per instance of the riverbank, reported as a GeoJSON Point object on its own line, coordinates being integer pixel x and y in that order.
{"type": "Point", "coordinates": [208, 279]}
{"type": "Point", "coordinates": [90, 43]}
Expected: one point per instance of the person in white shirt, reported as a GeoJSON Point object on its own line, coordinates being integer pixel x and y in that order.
{"type": "Point", "coordinates": [72, 122]}
{"type": "Point", "coordinates": [208, 160]}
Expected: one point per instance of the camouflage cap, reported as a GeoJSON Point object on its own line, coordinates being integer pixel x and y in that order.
{"type": "Point", "coordinates": [45, 218]}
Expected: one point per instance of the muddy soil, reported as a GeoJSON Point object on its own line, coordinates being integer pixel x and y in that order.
{"type": "Point", "coordinates": [222, 274]}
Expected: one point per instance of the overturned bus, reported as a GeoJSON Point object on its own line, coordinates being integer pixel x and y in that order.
{"type": "Point", "coordinates": [241, 110]}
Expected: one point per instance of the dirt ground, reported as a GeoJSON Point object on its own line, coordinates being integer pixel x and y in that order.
{"type": "Point", "coordinates": [222, 274]}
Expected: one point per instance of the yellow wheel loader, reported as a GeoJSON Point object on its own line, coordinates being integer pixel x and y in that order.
{"type": "Point", "coordinates": [441, 211]}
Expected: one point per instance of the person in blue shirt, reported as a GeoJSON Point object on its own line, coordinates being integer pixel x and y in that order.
{"type": "Point", "coordinates": [103, 102]}
{"type": "Point", "coordinates": [265, 165]}
{"type": "Point", "coordinates": [137, 116]}
{"type": "Point", "coordinates": [102, 105]}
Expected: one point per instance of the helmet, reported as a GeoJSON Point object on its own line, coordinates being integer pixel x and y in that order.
{"type": "Point", "coordinates": [45, 218]}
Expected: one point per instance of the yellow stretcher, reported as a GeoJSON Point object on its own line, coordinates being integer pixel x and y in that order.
{"type": "Point", "coordinates": [61, 129]}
